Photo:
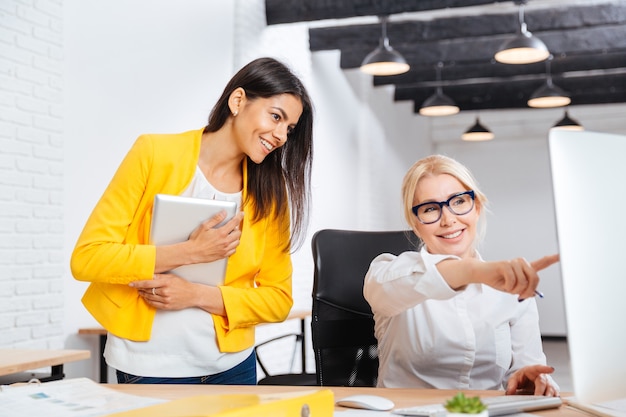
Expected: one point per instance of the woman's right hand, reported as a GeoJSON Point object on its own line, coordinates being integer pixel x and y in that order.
{"type": "Point", "coordinates": [205, 244]}
{"type": "Point", "coordinates": [209, 243]}
{"type": "Point", "coordinates": [515, 276]}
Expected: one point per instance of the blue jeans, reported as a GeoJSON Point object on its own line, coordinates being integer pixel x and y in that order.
{"type": "Point", "coordinates": [242, 374]}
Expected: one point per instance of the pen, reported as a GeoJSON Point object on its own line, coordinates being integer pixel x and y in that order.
{"type": "Point", "coordinates": [537, 293]}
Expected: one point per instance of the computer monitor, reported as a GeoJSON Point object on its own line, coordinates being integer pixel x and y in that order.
{"type": "Point", "coordinates": [589, 185]}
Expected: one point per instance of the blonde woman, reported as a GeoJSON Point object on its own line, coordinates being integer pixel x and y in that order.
{"type": "Point", "coordinates": [445, 318]}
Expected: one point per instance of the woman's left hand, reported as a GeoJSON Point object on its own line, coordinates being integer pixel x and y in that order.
{"type": "Point", "coordinates": [171, 292]}
{"type": "Point", "coordinates": [533, 379]}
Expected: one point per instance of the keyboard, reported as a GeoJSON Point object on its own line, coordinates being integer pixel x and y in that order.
{"type": "Point", "coordinates": [497, 406]}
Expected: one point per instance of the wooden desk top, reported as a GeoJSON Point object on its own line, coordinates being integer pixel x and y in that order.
{"type": "Point", "coordinates": [92, 330]}
{"type": "Point", "coordinates": [18, 360]}
{"type": "Point", "coordinates": [402, 397]}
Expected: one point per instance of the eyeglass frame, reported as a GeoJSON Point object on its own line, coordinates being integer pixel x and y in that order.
{"type": "Point", "coordinates": [441, 204]}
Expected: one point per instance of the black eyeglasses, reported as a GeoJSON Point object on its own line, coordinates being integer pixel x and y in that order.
{"type": "Point", "coordinates": [459, 204]}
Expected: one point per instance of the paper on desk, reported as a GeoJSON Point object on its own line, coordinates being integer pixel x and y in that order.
{"type": "Point", "coordinates": [75, 397]}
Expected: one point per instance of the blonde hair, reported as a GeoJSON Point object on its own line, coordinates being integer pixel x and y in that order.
{"type": "Point", "coordinates": [436, 165]}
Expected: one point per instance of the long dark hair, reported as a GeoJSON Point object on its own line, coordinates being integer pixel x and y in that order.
{"type": "Point", "coordinates": [283, 179]}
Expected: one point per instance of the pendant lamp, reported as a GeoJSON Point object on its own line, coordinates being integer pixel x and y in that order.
{"type": "Point", "coordinates": [477, 132]}
{"type": "Point", "coordinates": [438, 104]}
{"type": "Point", "coordinates": [384, 60]}
{"type": "Point", "coordinates": [523, 47]}
{"type": "Point", "coordinates": [549, 95]}
{"type": "Point", "coordinates": [567, 123]}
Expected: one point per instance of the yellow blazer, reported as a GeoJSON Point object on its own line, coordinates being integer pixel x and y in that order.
{"type": "Point", "coordinates": [113, 249]}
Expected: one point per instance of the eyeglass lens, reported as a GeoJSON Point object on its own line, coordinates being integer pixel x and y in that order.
{"type": "Point", "coordinates": [458, 204]}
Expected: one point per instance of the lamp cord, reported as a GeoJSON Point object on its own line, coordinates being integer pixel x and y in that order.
{"type": "Point", "coordinates": [438, 75]}
{"type": "Point", "coordinates": [549, 70]}
{"type": "Point", "coordinates": [384, 41]}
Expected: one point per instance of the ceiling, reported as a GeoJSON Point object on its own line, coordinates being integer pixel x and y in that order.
{"type": "Point", "coordinates": [587, 39]}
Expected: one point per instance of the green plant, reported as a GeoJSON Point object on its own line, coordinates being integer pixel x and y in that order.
{"type": "Point", "coordinates": [462, 404]}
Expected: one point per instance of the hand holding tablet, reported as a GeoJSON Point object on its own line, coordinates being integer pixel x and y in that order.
{"type": "Point", "coordinates": [174, 218]}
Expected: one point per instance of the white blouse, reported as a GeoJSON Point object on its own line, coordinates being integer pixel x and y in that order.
{"type": "Point", "coordinates": [183, 342]}
{"type": "Point", "coordinates": [431, 336]}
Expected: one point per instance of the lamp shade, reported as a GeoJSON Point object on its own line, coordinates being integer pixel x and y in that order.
{"type": "Point", "coordinates": [567, 123]}
{"type": "Point", "coordinates": [477, 132]}
{"type": "Point", "coordinates": [384, 60]}
{"type": "Point", "coordinates": [438, 104]}
{"type": "Point", "coordinates": [523, 47]}
{"type": "Point", "coordinates": [549, 95]}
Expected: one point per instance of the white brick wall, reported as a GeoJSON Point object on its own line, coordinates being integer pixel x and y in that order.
{"type": "Point", "coordinates": [31, 174]}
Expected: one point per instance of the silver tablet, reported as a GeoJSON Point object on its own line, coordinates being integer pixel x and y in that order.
{"type": "Point", "coordinates": [175, 217]}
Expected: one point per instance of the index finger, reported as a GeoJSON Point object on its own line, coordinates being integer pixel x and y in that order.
{"type": "Point", "coordinates": [215, 219]}
{"type": "Point", "coordinates": [534, 371]}
{"type": "Point", "coordinates": [545, 262]}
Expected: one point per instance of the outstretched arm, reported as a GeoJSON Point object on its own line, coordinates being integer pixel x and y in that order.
{"type": "Point", "coordinates": [515, 276]}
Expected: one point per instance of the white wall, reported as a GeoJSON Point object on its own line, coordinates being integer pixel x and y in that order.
{"type": "Point", "coordinates": [31, 175]}
{"type": "Point", "coordinates": [131, 68]}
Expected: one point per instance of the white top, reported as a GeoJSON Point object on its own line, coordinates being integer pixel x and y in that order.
{"type": "Point", "coordinates": [430, 336]}
{"type": "Point", "coordinates": [183, 343]}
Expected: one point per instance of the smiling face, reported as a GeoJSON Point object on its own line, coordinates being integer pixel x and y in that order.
{"type": "Point", "coordinates": [451, 234]}
{"type": "Point", "coordinates": [263, 124]}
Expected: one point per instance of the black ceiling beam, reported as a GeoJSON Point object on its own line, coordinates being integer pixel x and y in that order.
{"type": "Point", "coordinates": [482, 49]}
{"type": "Point", "coordinates": [292, 11]}
{"type": "Point", "coordinates": [563, 30]}
{"type": "Point", "coordinates": [515, 94]}
{"type": "Point", "coordinates": [491, 71]}
{"type": "Point", "coordinates": [588, 44]}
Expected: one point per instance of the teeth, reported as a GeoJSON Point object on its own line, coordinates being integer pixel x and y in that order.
{"type": "Point", "coordinates": [267, 145]}
{"type": "Point", "coordinates": [452, 235]}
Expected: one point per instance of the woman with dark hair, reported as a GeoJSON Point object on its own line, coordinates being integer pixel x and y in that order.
{"type": "Point", "coordinates": [256, 150]}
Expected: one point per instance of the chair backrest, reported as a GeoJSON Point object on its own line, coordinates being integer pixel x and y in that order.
{"type": "Point", "coordinates": [342, 324]}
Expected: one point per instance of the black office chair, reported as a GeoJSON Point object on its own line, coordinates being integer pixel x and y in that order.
{"type": "Point", "coordinates": [342, 324]}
